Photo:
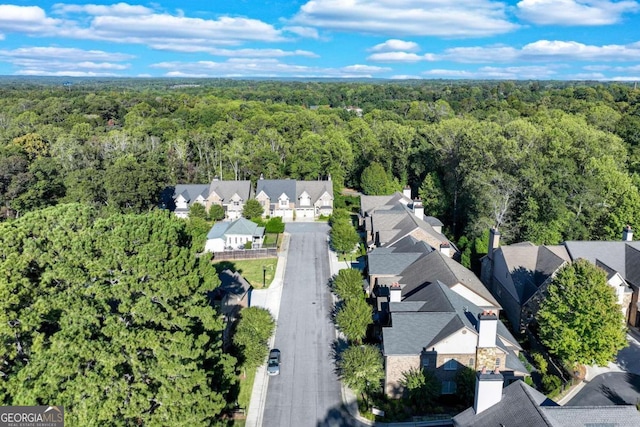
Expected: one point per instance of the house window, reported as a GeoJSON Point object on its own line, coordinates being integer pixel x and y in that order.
{"type": "Point", "coordinates": [236, 203]}
{"type": "Point", "coordinates": [284, 203]}
{"type": "Point", "coordinates": [451, 365]}
{"type": "Point", "coordinates": [497, 362]}
{"type": "Point", "coordinates": [425, 362]}
{"type": "Point", "coordinates": [471, 362]}
{"type": "Point", "coordinates": [326, 202]}
{"type": "Point", "coordinates": [448, 387]}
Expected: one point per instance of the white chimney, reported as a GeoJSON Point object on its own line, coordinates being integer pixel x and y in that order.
{"type": "Point", "coordinates": [395, 292]}
{"type": "Point", "coordinates": [487, 329]}
{"type": "Point", "coordinates": [406, 192]}
{"type": "Point", "coordinates": [488, 390]}
{"type": "Point", "coordinates": [494, 242]}
{"type": "Point", "coordinates": [445, 249]}
{"type": "Point", "coordinates": [627, 234]}
{"type": "Point", "coordinates": [418, 209]}
{"type": "Point", "coordinates": [329, 177]}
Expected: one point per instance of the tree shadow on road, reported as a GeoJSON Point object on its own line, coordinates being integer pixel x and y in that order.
{"type": "Point", "coordinates": [337, 417]}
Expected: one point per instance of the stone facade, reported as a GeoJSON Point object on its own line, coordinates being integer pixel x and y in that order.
{"type": "Point", "coordinates": [395, 367]}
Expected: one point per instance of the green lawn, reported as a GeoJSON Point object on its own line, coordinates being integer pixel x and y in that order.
{"type": "Point", "coordinates": [251, 269]}
{"type": "Point", "coordinates": [246, 386]}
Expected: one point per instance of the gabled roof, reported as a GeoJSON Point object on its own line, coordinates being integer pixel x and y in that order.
{"type": "Point", "coordinates": [620, 256]}
{"type": "Point", "coordinates": [226, 189]}
{"type": "Point", "coordinates": [315, 189]}
{"type": "Point", "coordinates": [441, 314]}
{"type": "Point", "coordinates": [389, 263]}
{"type": "Point", "coordinates": [368, 204]}
{"type": "Point", "coordinates": [190, 192]}
{"type": "Point", "coordinates": [243, 226]}
{"type": "Point", "coordinates": [533, 409]}
{"type": "Point", "coordinates": [436, 267]}
{"type": "Point", "coordinates": [519, 402]}
{"type": "Point", "coordinates": [530, 266]}
{"type": "Point", "coordinates": [274, 188]}
{"type": "Point", "coordinates": [240, 226]}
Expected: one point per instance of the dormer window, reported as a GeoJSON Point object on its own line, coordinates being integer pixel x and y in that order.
{"type": "Point", "coordinates": [305, 200]}
{"type": "Point", "coordinates": [284, 203]}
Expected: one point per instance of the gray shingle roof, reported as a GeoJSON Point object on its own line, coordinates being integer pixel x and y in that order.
{"type": "Point", "coordinates": [620, 256]}
{"type": "Point", "coordinates": [315, 189]}
{"type": "Point", "coordinates": [226, 189]}
{"type": "Point", "coordinates": [274, 188]}
{"type": "Point", "coordinates": [435, 267]}
{"type": "Point", "coordinates": [530, 266]}
{"type": "Point", "coordinates": [389, 263]}
{"type": "Point", "coordinates": [442, 313]}
{"type": "Point", "coordinates": [523, 406]}
{"type": "Point", "coordinates": [520, 405]}
{"type": "Point", "coordinates": [368, 204]}
{"type": "Point", "coordinates": [191, 191]}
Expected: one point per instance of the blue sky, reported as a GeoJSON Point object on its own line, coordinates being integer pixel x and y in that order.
{"type": "Point", "coordinates": [393, 39]}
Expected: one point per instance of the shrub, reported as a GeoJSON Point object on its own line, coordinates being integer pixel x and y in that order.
{"type": "Point", "coordinates": [551, 384]}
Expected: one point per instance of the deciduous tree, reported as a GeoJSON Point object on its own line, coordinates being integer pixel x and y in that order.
{"type": "Point", "coordinates": [580, 320]}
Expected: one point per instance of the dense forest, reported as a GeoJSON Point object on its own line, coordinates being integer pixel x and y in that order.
{"type": "Point", "coordinates": [546, 161]}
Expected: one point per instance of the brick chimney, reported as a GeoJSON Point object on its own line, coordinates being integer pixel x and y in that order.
{"type": "Point", "coordinates": [395, 292]}
{"type": "Point", "coordinates": [494, 242]}
{"type": "Point", "coordinates": [627, 233]}
{"type": "Point", "coordinates": [406, 192]}
{"type": "Point", "coordinates": [488, 390]}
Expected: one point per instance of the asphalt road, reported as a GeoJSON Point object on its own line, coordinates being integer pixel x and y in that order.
{"type": "Point", "coordinates": [307, 391]}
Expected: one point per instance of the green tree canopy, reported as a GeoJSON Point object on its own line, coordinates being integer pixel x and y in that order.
{"type": "Point", "coordinates": [343, 236]}
{"type": "Point", "coordinates": [353, 318]}
{"type": "Point", "coordinates": [422, 388]}
{"type": "Point", "coordinates": [133, 186]}
{"type": "Point", "coordinates": [580, 320]}
{"type": "Point", "coordinates": [197, 210]}
{"type": "Point", "coordinates": [361, 368]}
{"type": "Point", "coordinates": [347, 284]}
{"type": "Point", "coordinates": [254, 329]}
{"type": "Point", "coordinates": [375, 181]}
{"type": "Point", "coordinates": [275, 225]}
{"type": "Point", "coordinates": [110, 318]}
{"type": "Point", "coordinates": [216, 212]}
{"type": "Point", "coordinates": [252, 209]}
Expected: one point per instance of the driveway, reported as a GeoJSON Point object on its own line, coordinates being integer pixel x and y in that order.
{"type": "Point", "coordinates": [616, 384]}
{"type": "Point", "coordinates": [307, 391]}
{"type": "Point", "coordinates": [613, 388]}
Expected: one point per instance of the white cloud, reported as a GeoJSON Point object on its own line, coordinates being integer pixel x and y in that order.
{"type": "Point", "coordinates": [261, 67]}
{"type": "Point", "coordinates": [119, 9]}
{"type": "Point", "coordinates": [400, 57]}
{"type": "Point", "coordinates": [308, 32]}
{"type": "Point", "coordinates": [30, 20]}
{"type": "Point", "coordinates": [247, 53]}
{"type": "Point", "coordinates": [542, 51]}
{"type": "Point", "coordinates": [395, 45]}
{"type": "Point", "coordinates": [64, 61]}
{"type": "Point", "coordinates": [124, 23]}
{"type": "Point", "coordinates": [406, 77]}
{"type": "Point", "coordinates": [506, 73]}
{"type": "Point", "coordinates": [575, 12]}
{"type": "Point", "coordinates": [462, 18]}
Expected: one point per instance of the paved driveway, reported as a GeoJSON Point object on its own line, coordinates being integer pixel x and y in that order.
{"type": "Point", "coordinates": [617, 384]}
{"type": "Point", "coordinates": [307, 391]}
{"type": "Point", "coordinates": [613, 388]}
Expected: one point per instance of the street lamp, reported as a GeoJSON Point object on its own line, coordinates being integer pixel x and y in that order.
{"type": "Point", "coordinates": [264, 276]}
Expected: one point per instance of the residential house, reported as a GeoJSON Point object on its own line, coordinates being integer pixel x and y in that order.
{"type": "Point", "coordinates": [389, 219]}
{"type": "Point", "coordinates": [234, 235]}
{"type": "Point", "coordinates": [294, 200]}
{"type": "Point", "coordinates": [519, 274]}
{"type": "Point", "coordinates": [233, 294]}
{"type": "Point", "coordinates": [185, 195]}
{"type": "Point", "coordinates": [521, 405]}
{"type": "Point", "coordinates": [443, 333]}
{"type": "Point", "coordinates": [231, 195]}
{"type": "Point", "coordinates": [412, 266]}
